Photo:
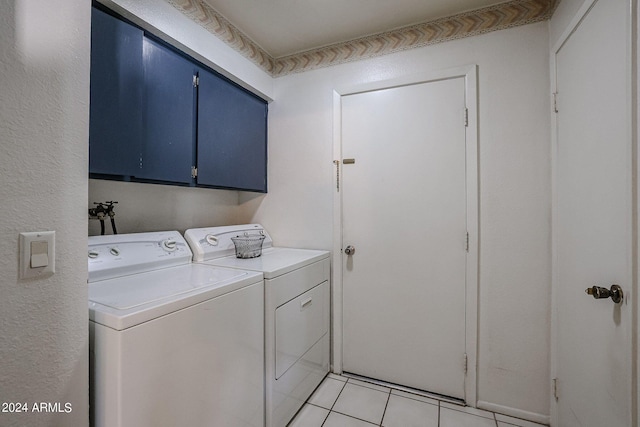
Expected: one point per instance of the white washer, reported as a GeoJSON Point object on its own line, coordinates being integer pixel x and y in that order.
{"type": "Point", "coordinates": [296, 312]}
{"type": "Point", "coordinates": [172, 343]}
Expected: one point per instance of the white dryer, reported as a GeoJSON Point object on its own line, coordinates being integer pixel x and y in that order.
{"type": "Point", "coordinates": [296, 312]}
{"type": "Point", "coordinates": [172, 343]}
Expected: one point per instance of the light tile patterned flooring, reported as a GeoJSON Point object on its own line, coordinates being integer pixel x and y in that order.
{"type": "Point", "coordinates": [346, 402]}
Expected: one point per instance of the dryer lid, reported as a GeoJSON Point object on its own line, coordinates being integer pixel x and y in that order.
{"type": "Point", "coordinates": [274, 262]}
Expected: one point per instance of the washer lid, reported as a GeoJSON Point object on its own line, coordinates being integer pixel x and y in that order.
{"type": "Point", "coordinates": [273, 262]}
{"type": "Point", "coordinates": [127, 301]}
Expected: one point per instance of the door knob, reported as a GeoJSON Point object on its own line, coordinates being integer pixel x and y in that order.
{"type": "Point", "coordinates": [598, 292]}
{"type": "Point", "coordinates": [350, 250]}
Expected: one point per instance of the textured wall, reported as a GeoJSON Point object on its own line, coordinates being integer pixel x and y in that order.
{"type": "Point", "coordinates": [44, 96]}
{"type": "Point", "coordinates": [514, 156]}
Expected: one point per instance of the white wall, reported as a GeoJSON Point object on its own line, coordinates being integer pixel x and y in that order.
{"type": "Point", "coordinates": [514, 156]}
{"type": "Point", "coordinates": [146, 207]}
{"type": "Point", "coordinates": [44, 87]}
{"type": "Point", "coordinates": [561, 19]}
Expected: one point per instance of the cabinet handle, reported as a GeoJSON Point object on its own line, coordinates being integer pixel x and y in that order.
{"type": "Point", "coordinates": [305, 303]}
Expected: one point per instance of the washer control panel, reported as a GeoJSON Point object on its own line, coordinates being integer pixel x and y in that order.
{"type": "Point", "coordinates": [123, 254]}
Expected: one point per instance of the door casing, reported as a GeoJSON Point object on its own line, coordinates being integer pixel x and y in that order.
{"type": "Point", "coordinates": [469, 73]}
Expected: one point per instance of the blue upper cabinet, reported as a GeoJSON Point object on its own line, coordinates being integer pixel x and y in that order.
{"type": "Point", "coordinates": [232, 135]}
{"type": "Point", "coordinates": [115, 130]}
{"type": "Point", "coordinates": [152, 122]}
{"type": "Point", "coordinates": [168, 115]}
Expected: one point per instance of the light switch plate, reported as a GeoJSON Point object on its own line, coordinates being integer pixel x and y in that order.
{"type": "Point", "coordinates": [39, 249]}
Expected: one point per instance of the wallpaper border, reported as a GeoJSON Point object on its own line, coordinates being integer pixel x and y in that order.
{"type": "Point", "coordinates": [501, 16]}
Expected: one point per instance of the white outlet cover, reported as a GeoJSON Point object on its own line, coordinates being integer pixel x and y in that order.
{"type": "Point", "coordinates": [26, 239]}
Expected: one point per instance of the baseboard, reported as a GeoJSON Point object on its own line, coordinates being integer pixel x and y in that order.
{"type": "Point", "coordinates": [424, 393]}
{"type": "Point", "coordinates": [513, 412]}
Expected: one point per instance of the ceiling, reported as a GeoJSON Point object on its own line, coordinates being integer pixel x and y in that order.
{"type": "Point", "coordinates": [287, 27]}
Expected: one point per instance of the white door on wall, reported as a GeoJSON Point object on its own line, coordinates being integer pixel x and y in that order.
{"type": "Point", "coordinates": [404, 207]}
{"type": "Point", "coordinates": [593, 220]}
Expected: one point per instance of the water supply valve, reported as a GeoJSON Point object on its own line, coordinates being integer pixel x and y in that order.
{"type": "Point", "coordinates": [101, 211]}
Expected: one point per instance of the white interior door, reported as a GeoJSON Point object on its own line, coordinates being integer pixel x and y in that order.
{"type": "Point", "coordinates": [593, 220]}
{"type": "Point", "coordinates": [404, 210]}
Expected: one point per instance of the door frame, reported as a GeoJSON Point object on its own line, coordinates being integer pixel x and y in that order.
{"type": "Point", "coordinates": [469, 73]}
{"type": "Point", "coordinates": [632, 122]}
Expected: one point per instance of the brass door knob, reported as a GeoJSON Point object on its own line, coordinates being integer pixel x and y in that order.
{"type": "Point", "coordinates": [598, 292]}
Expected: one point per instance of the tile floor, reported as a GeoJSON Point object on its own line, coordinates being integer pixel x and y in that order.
{"type": "Point", "coordinates": [346, 402]}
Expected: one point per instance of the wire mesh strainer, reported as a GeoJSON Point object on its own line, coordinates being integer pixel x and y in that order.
{"type": "Point", "coordinates": [248, 246]}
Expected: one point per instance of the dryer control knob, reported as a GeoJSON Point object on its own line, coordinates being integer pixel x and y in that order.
{"type": "Point", "coordinates": [169, 245]}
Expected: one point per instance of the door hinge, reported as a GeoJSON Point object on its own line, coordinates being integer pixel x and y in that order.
{"type": "Point", "coordinates": [466, 117]}
{"type": "Point", "coordinates": [466, 363]}
{"type": "Point", "coordinates": [556, 394]}
{"type": "Point", "coordinates": [196, 80]}
{"type": "Point", "coordinates": [555, 102]}
{"type": "Point", "coordinates": [467, 243]}
{"type": "Point", "coordinates": [194, 172]}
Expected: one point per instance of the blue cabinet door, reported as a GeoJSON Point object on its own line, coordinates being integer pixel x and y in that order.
{"type": "Point", "coordinates": [150, 123]}
{"type": "Point", "coordinates": [169, 117]}
{"type": "Point", "coordinates": [232, 136]}
{"type": "Point", "coordinates": [115, 130]}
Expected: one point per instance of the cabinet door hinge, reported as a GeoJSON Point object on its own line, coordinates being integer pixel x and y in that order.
{"type": "Point", "coordinates": [196, 80]}
{"type": "Point", "coordinates": [466, 117]}
{"type": "Point", "coordinates": [465, 362]}
{"type": "Point", "coordinates": [556, 394]}
{"type": "Point", "coordinates": [194, 172]}
{"type": "Point", "coordinates": [555, 102]}
{"type": "Point", "coordinates": [467, 242]}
